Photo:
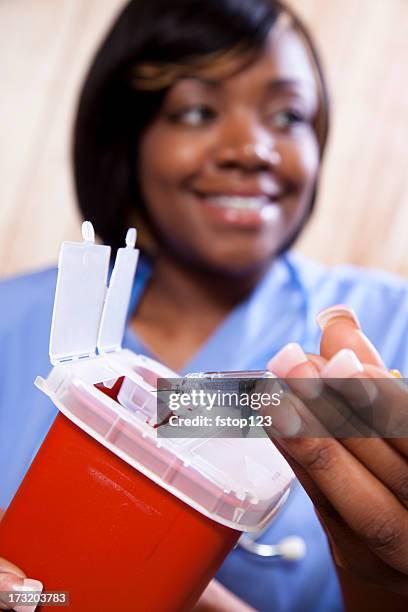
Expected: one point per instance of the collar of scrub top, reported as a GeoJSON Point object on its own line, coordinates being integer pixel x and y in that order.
{"type": "Point", "coordinates": [283, 290]}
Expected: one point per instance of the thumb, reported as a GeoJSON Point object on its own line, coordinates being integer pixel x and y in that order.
{"type": "Point", "coordinates": [341, 329]}
{"type": "Point", "coordinates": [12, 579]}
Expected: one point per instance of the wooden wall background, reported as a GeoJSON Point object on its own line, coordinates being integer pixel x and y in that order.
{"type": "Point", "coordinates": [362, 214]}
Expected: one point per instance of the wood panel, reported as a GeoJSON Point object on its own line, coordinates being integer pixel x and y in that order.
{"type": "Point", "coordinates": [49, 45]}
{"type": "Point", "coordinates": [362, 213]}
{"type": "Point", "coordinates": [363, 205]}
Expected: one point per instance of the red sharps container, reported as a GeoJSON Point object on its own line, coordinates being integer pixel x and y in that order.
{"type": "Point", "coordinates": [110, 512]}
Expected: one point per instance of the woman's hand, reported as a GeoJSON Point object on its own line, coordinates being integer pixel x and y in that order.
{"type": "Point", "coordinates": [12, 578]}
{"type": "Point", "coordinates": [216, 598]}
{"type": "Point", "coordinates": [359, 486]}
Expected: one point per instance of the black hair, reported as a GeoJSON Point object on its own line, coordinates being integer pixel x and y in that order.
{"type": "Point", "coordinates": [112, 112]}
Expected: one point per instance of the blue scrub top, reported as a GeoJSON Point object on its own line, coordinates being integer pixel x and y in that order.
{"type": "Point", "coordinates": [281, 309]}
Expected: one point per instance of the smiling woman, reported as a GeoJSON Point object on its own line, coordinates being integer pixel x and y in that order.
{"type": "Point", "coordinates": [204, 123]}
{"type": "Point", "coordinates": [218, 167]}
{"type": "Point", "coordinates": [261, 74]}
{"type": "Point", "coordinates": [225, 162]}
{"type": "Point", "coordinates": [35, 131]}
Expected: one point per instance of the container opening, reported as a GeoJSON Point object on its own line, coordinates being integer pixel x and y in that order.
{"type": "Point", "coordinates": [111, 392]}
{"type": "Point", "coordinates": [142, 403]}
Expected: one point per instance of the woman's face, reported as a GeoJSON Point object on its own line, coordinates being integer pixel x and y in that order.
{"type": "Point", "coordinates": [228, 166]}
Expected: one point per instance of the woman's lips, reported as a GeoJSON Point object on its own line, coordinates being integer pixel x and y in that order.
{"type": "Point", "coordinates": [238, 202]}
{"type": "Point", "coordinates": [240, 210]}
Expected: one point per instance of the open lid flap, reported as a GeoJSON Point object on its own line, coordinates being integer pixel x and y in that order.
{"type": "Point", "coordinates": [118, 296]}
{"type": "Point", "coordinates": [79, 297]}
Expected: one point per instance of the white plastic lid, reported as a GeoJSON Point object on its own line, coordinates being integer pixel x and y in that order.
{"type": "Point", "coordinates": [118, 295]}
{"type": "Point", "coordinates": [79, 297]}
{"type": "Point", "coordinates": [238, 482]}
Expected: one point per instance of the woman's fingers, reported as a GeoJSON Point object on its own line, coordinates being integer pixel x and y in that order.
{"type": "Point", "coordinates": [217, 598]}
{"type": "Point", "coordinates": [384, 462]}
{"type": "Point", "coordinates": [353, 412]}
{"type": "Point", "coordinates": [10, 568]}
{"type": "Point", "coordinates": [348, 550]}
{"type": "Point", "coordinates": [341, 329]}
{"type": "Point", "coordinates": [321, 411]}
{"type": "Point", "coordinates": [379, 399]}
{"type": "Point", "coordinates": [364, 503]}
{"type": "Point", "coordinates": [13, 579]}
{"type": "Point", "coordinates": [391, 408]}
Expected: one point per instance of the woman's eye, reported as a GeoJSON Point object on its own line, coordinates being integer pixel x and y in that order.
{"type": "Point", "coordinates": [287, 118]}
{"type": "Point", "coordinates": [194, 116]}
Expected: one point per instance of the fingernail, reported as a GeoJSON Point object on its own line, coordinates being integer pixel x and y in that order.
{"type": "Point", "coordinates": [396, 373]}
{"type": "Point", "coordinates": [286, 422]}
{"type": "Point", "coordinates": [308, 388]}
{"type": "Point", "coordinates": [288, 358]}
{"type": "Point", "coordinates": [328, 316]}
{"type": "Point", "coordinates": [343, 364]}
{"type": "Point", "coordinates": [29, 585]}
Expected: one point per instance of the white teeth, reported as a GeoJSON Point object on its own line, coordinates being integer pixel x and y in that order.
{"type": "Point", "coordinates": [239, 202]}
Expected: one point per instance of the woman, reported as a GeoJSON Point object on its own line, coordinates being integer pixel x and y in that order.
{"type": "Point", "coordinates": [204, 123]}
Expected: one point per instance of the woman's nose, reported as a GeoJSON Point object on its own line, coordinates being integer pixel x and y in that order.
{"type": "Point", "coordinates": [249, 154]}
{"type": "Point", "coordinates": [246, 148]}
{"type": "Point", "coordinates": [250, 157]}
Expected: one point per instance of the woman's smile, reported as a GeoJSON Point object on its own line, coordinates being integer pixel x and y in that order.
{"type": "Point", "coordinates": [244, 208]}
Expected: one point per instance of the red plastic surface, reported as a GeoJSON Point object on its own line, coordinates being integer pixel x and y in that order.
{"type": "Point", "coordinates": [86, 522]}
